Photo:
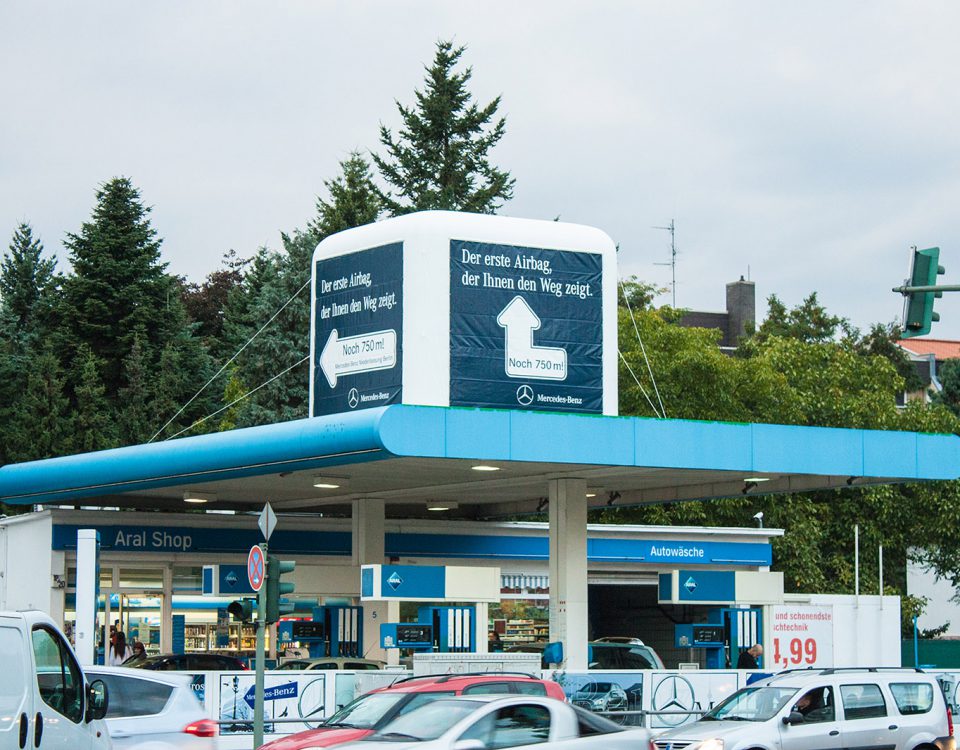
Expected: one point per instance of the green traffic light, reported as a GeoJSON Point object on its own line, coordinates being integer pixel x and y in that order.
{"type": "Point", "coordinates": [918, 314]}
{"type": "Point", "coordinates": [277, 588]}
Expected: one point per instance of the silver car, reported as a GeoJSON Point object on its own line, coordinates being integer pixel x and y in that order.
{"type": "Point", "coordinates": [478, 722]}
{"type": "Point", "coordinates": [158, 710]}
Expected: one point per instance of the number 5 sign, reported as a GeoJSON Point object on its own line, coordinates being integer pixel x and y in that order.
{"type": "Point", "coordinates": [802, 636]}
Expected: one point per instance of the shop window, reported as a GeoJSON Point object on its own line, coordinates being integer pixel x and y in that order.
{"type": "Point", "coordinates": [188, 579]}
{"type": "Point", "coordinates": [106, 577]}
{"type": "Point", "coordinates": [141, 578]}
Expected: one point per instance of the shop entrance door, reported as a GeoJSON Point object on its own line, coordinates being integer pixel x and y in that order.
{"type": "Point", "coordinates": [139, 614]}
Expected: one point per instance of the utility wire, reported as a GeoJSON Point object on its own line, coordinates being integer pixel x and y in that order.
{"type": "Point", "coordinates": [227, 364]}
{"type": "Point", "coordinates": [637, 381]}
{"type": "Point", "coordinates": [663, 411]}
{"type": "Point", "coordinates": [238, 400]}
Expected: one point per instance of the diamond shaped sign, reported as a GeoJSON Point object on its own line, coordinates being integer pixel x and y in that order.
{"type": "Point", "coordinates": [690, 585]}
{"type": "Point", "coordinates": [267, 522]}
{"type": "Point", "coordinates": [395, 581]}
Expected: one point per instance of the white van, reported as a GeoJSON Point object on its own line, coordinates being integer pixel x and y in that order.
{"type": "Point", "coordinates": [45, 701]}
{"type": "Point", "coordinates": [825, 709]}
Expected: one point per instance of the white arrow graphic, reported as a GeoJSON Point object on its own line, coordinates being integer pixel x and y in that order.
{"type": "Point", "coordinates": [363, 353]}
{"type": "Point", "coordinates": [523, 359]}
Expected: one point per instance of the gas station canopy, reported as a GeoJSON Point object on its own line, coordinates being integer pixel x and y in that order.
{"type": "Point", "coordinates": [478, 463]}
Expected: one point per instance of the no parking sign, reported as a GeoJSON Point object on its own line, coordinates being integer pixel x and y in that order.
{"type": "Point", "coordinates": [255, 567]}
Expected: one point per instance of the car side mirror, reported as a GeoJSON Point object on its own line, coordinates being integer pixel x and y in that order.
{"type": "Point", "coordinates": [469, 745]}
{"type": "Point", "coordinates": [98, 699]}
{"type": "Point", "coordinates": [795, 717]}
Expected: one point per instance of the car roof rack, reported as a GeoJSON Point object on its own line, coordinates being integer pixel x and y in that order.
{"type": "Point", "coordinates": [836, 670]}
{"type": "Point", "coordinates": [447, 676]}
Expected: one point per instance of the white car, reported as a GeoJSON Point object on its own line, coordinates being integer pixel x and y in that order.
{"type": "Point", "coordinates": [825, 709]}
{"type": "Point", "coordinates": [333, 662]}
{"type": "Point", "coordinates": [46, 701]}
{"type": "Point", "coordinates": [478, 722]}
{"type": "Point", "coordinates": [151, 710]}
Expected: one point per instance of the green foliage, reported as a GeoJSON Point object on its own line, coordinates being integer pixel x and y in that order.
{"type": "Point", "coordinates": [353, 200]}
{"type": "Point", "coordinates": [91, 421]}
{"type": "Point", "coordinates": [440, 157]}
{"type": "Point", "coordinates": [949, 376]}
{"type": "Point", "coordinates": [807, 322]}
{"type": "Point", "coordinates": [27, 281]}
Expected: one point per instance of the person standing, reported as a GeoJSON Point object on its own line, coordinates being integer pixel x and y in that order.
{"type": "Point", "coordinates": [119, 650]}
{"type": "Point", "coordinates": [748, 658]}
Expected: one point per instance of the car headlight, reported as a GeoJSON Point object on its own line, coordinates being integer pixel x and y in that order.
{"type": "Point", "coordinates": [599, 702]}
{"type": "Point", "coordinates": [714, 743]}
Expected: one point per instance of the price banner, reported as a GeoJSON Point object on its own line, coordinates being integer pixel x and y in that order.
{"type": "Point", "coordinates": [802, 637]}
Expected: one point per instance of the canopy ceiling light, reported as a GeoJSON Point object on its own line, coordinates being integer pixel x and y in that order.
{"type": "Point", "coordinates": [329, 483]}
{"type": "Point", "coordinates": [485, 467]}
{"type": "Point", "coordinates": [199, 497]}
{"type": "Point", "coordinates": [439, 505]}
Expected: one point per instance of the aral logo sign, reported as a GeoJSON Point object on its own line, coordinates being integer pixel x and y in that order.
{"type": "Point", "coordinates": [525, 328]}
{"type": "Point", "coordinates": [358, 330]}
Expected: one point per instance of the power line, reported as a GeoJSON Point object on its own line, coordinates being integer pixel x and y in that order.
{"type": "Point", "coordinates": [227, 364]}
{"type": "Point", "coordinates": [673, 259]}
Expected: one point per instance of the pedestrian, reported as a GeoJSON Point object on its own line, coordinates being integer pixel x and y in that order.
{"type": "Point", "coordinates": [119, 650]}
{"type": "Point", "coordinates": [139, 650]}
{"type": "Point", "coordinates": [495, 644]}
{"type": "Point", "coordinates": [748, 658]}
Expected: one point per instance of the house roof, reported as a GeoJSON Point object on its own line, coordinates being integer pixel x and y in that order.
{"type": "Point", "coordinates": [941, 349]}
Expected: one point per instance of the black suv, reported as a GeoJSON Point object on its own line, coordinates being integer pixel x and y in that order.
{"type": "Point", "coordinates": [199, 662]}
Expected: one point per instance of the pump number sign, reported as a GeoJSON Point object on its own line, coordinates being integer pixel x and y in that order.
{"type": "Point", "coordinates": [255, 567]}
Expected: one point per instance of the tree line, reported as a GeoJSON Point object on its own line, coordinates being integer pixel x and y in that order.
{"type": "Point", "coordinates": [116, 350]}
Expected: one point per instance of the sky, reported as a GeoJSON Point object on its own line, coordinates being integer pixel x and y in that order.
{"type": "Point", "coordinates": [805, 146]}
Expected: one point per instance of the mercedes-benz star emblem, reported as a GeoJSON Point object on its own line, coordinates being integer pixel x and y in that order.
{"type": "Point", "coordinates": [673, 693]}
{"type": "Point", "coordinates": [353, 398]}
{"type": "Point", "coordinates": [525, 395]}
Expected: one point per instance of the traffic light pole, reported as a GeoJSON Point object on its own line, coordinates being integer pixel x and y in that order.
{"type": "Point", "coordinates": [260, 655]}
{"type": "Point", "coordinates": [921, 289]}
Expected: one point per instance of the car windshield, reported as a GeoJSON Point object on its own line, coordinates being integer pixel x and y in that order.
{"type": "Point", "coordinates": [751, 704]}
{"type": "Point", "coordinates": [429, 721]}
{"type": "Point", "coordinates": [366, 711]}
{"type": "Point", "coordinates": [597, 687]}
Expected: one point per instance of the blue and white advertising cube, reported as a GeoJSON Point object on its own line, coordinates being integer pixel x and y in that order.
{"type": "Point", "coordinates": [455, 309]}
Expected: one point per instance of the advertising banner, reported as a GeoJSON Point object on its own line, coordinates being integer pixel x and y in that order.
{"type": "Point", "coordinates": [525, 328]}
{"type": "Point", "coordinates": [358, 330]}
{"type": "Point", "coordinates": [290, 695]}
{"type": "Point", "coordinates": [802, 637]}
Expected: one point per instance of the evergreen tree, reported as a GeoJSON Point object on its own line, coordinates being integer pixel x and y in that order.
{"type": "Point", "coordinates": [440, 157]}
{"type": "Point", "coordinates": [93, 425]}
{"type": "Point", "coordinates": [135, 423]}
{"type": "Point", "coordinates": [26, 281]}
{"type": "Point", "coordinates": [353, 200]}
{"type": "Point", "coordinates": [118, 286]}
{"type": "Point", "coordinates": [40, 422]}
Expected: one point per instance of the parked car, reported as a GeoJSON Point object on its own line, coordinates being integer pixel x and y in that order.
{"type": "Point", "coordinates": [620, 639]}
{"type": "Point", "coordinates": [604, 655]}
{"type": "Point", "coordinates": [600, 696]}
{"type": "Point", "coordinates": [897, 709]}
{"type": "Point", "coordinates": [191, 662]}
{"type": "Point", "coordinates": [333, 662]}
{"type": "Point", "coordinates": [490, 721]}
{"type": "Point", "coordinates": [159, 710]}
{"type": "Point", "coordinates": [372, 711]}
{"type": "Point", "coordinates": [45, 699]}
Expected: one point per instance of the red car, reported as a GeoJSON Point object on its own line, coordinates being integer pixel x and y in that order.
{"type": "Point", "coordinates": [369, 712]}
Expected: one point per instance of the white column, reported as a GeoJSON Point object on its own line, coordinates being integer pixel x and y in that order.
{"type": "Point", "coordinates": [166, 611]}
{"type": "Point", "coordinates": [568, 569]}
{"type": "Point", "coordinates": [368, 548]}
{"type": "Point", "coordinates": [88, 557]}
{"type": "Point", "coordinates": [483, 617]}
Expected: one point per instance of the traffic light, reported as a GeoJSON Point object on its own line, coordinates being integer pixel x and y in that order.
{"type": "Point", "coordinates": [242, 609]}
{"type": "Point", "coordinates": [276, 588]}
{"type": "Point", "coordinates": [918, 311]}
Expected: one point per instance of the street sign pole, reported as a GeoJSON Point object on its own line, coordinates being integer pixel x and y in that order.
{"type": "Point", "coordinates": [260, 657]}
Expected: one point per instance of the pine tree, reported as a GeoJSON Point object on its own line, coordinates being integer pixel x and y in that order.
{"type": "Point", "coordinates": [439, 159]}
{"type": "Point", "coordinates": [136, 419]}
{"type": "Point", "coordinates": [353, 200]}
{"type": "Point", "coordinates": [27, 281]}
{"type": "Point", "coordinates": [39, 425]}
{"type": "Point", "coordinates": [119, 285]}
{"type": "Point", "coordinates": [92, 421]}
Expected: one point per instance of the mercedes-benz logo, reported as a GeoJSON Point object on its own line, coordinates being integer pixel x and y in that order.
{"type": "Point", "coordinates": [353, 398]}
{"type": "Point", "coordinates": [525, 395]}
{"type": "Point", "coordinates": [673, 693]}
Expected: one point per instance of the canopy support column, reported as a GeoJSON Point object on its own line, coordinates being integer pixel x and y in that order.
{"type": "Point", "coordinates": [568, 569]}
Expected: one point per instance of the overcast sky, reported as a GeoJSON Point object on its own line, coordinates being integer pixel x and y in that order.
{"type": "Point", "coordinates": [805, 145]}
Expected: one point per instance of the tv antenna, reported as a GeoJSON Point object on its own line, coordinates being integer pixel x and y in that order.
{"type": "Point", "coordinates": [673, 259]}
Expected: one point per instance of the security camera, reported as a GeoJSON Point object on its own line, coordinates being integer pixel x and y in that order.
{"type": "Point", "coordinates": [758, 515]}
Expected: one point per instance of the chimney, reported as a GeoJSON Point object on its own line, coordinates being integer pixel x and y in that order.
{"type": "Point", "coordinates": [741, 309]}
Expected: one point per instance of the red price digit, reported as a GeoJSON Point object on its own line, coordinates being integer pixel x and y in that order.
{"type": "Point", "coordinates": [796, 651]}
{"type": "Point", "coordinates": [776, 650]}
{"type": "Point", "coordinates": [810, 649]}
